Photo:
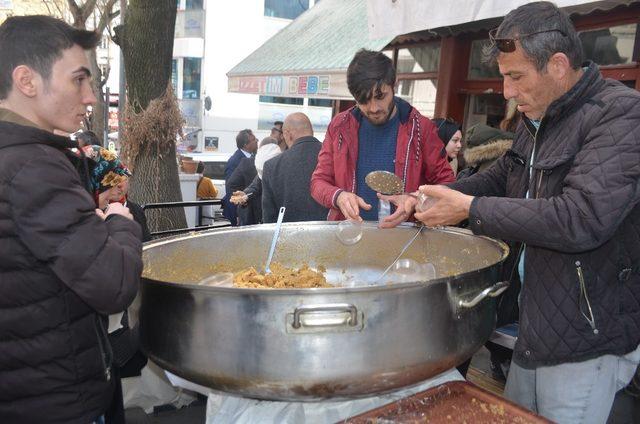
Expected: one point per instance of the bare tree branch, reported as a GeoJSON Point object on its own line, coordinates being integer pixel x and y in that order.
{"type": "Point", "coordinates": [106, 15]}
{"type": "Point", "coordinates": [75, 12]}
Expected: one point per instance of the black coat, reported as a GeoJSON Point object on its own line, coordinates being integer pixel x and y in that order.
{"type": "Point", "coordinates": [242, 177]}
{"type": "Point", "coordinates": [229, 210]}
{"type": "Point", "coordinates": [286, 182]}
{"type": "Point", "coordinates": [61, 269]}
{"type": "Point", "coordinates": [581, 223]}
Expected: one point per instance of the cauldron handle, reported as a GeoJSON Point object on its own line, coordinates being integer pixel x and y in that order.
{"type": "Point", "coordinates": [331, 307]}
{"type": "Point", "coordinates": [492, 291]}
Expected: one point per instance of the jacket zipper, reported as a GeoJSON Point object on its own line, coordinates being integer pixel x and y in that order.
{"type": "Point", "coordinates": [105, 347]}
{"type": "Point", "coordinates": [583, 293]}
{"type": "Point", "coordinates": [406, 158]}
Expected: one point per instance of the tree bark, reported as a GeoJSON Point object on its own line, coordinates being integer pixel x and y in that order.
{"type": "Point", "coordinates": [146, 40]}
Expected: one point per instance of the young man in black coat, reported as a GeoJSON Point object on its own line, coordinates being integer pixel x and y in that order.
{"type": "Point", "coordinates": [286, 178]}
{"type": "Point", "coordinates": [65, 264]}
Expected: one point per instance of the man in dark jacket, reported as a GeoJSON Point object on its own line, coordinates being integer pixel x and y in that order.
{"type": "Point", "coordinates": [566, 198]}
{"type": "Point", "coordinates": [65, 265]}
{"type": "Point", "coordinates": [250, 212]}
{"type": "Point", "coordinates": [247, 144]}
{"type": "Point", "coordinates": [286, 178]}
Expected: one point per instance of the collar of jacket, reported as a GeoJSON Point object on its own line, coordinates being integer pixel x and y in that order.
{"type": "Point", "coordinates": [587, 86]}
{"type": "Point", "coordinates": [10, 116]}
{"type": "Point", "coordinates": [486, 152]}
{"type": "Point", "coordinates": [17, 130]}
{"type": "Point", "coordinates": [305, 139]}
{"type": "Point", "coordinates": [590, 83]}
{"type": "Point", "coordinates": [404, 110]}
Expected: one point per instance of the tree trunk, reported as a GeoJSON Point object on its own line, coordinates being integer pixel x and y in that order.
{"type": "Point", "coordinates": [97, 116]}
{"type": "Point", "coordinates": [146, 40]}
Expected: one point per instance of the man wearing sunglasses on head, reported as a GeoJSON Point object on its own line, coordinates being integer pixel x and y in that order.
{"type": "Point", "coordinates": [566, 199]}
{"type": "Point", "coordinates": [381, 133]}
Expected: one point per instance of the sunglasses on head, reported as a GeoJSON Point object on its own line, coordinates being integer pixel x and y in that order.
{"type": "Point", "coordinates": [508, 45]}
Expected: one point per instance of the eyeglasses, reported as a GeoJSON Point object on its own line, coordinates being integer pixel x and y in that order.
{"type": "Point", "coordinates": [508, 45]}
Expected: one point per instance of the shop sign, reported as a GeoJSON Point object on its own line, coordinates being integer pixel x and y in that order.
{"type": "Point", "coordinates": [286, 86]}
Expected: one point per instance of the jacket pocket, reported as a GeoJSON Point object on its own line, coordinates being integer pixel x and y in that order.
{"type": "Point", "coordinates": [584, 303]}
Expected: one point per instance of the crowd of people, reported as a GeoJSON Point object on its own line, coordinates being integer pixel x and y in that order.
{"type": "Point", "coordinates": [558, 181]}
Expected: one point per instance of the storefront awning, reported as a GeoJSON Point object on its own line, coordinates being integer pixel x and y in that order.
{"type": "Point", "coordinates": [309, 57]}
{"type": "Point", "coordinates": [389, 18]}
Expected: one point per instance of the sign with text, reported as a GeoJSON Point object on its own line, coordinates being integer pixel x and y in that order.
{"type": "Point", "coordinates": [283, 86]}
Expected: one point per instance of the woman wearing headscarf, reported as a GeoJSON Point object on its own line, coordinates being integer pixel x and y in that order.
{"type": "Point", "coordinates": [110, 183]}
{"type": "Point", "coordinates": [450, 133]}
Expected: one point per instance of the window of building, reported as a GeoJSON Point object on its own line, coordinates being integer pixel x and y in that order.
{"type": "Point", "coordinates": [478, 67]}
{"type": "Point", "coordinates": [418, 59]}
{"type": "Point", "coordinates": [320, 102]}
{"type": "Point", "coordinates": [287, 9]}
{"type": "Point", "coordinates": [609, 46]}
{"type": "Point", "coordinates": [281, 100]}
{"type": "Point", "coordinates": [420, 93]}
{"type": "Point", "coordinates": [191, 78]}
{"type": "Point", "coordinates": [174, 75]}
{"type": "Point", "coordinates": [193, 4]}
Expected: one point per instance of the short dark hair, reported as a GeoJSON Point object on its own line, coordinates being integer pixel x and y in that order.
{"type": "Point", "coordinates": [242, 139]}
{"type": "Point", "coordinates": [540, 16]}
{"type": "Point", "coordinates": [275, 124]}
{"type": "Point", "coordinates": [37, 41]}
{"type": "Point", "coordinates": [367, 72]}
{"type": "Point", "coordinates": [89, 138]}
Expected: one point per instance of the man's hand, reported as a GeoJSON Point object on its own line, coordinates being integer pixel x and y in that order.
{"type": "Point", "coordinates": [450, 206]}
{"type": "Point", "coordinates": [400, 215]}
{"type": "Point", "coordinates": [350, 204]}
{"type": "Point", "coordinates": [239, 198]}
{"type": "Point", "coordinates": [117, 209]}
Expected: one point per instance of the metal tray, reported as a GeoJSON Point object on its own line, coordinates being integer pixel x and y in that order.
{"type": "Point", "coordinates": [453, 402]}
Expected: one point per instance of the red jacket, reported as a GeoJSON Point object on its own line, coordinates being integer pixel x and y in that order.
{"type": "Point", "coordinates": [419, 158]}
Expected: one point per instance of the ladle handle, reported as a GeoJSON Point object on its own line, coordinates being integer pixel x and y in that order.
{"type": "Point", "coordinates": [492, 291]}
{"type": "Point", "coordinates": [267, 270]}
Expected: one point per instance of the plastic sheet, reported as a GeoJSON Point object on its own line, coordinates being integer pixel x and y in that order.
{"type": "Point", "coordinates": [223, 408]}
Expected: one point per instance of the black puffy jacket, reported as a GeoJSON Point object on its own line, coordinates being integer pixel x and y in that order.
{"type": "Point", "coordinates": [581, 223]}
{"type": "Point", "coordinates": [61, 268]}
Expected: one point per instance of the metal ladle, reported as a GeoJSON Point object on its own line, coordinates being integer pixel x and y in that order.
{"type": "Point", "coordinates": [276, 233]}
{"type": "Point", "coordinates": [390, 184]}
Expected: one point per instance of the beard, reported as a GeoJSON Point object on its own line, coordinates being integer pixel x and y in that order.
{"type": "Point", "coordinates": [383, 117]}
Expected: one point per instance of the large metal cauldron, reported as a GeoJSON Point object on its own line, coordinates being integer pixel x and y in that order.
{"type": "Point", "coordinates": [313, 344]}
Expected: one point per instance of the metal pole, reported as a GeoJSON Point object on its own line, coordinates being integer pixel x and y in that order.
{"type": "Point", "coordinates": [105, 119]}
{"type": "Point", "coordinates": [122, 86]}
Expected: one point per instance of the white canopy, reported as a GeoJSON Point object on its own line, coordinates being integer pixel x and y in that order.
{"type": "Point", "coordinates": [389, 18]}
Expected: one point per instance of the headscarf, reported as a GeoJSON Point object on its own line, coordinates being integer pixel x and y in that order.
{"type": "Point", "coordinates": [109, 170]}
{"type": "Point", "coordinates": [446, 129]}
{"type": "Point", "coordinates": [266, 152]}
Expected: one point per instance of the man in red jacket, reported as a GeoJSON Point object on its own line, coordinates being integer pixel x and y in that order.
{"type": "Point", "coordinates": [382, 132]}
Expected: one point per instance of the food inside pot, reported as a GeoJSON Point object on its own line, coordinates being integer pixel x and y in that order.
{"type": "Point", "coordinates": [281, 277]}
